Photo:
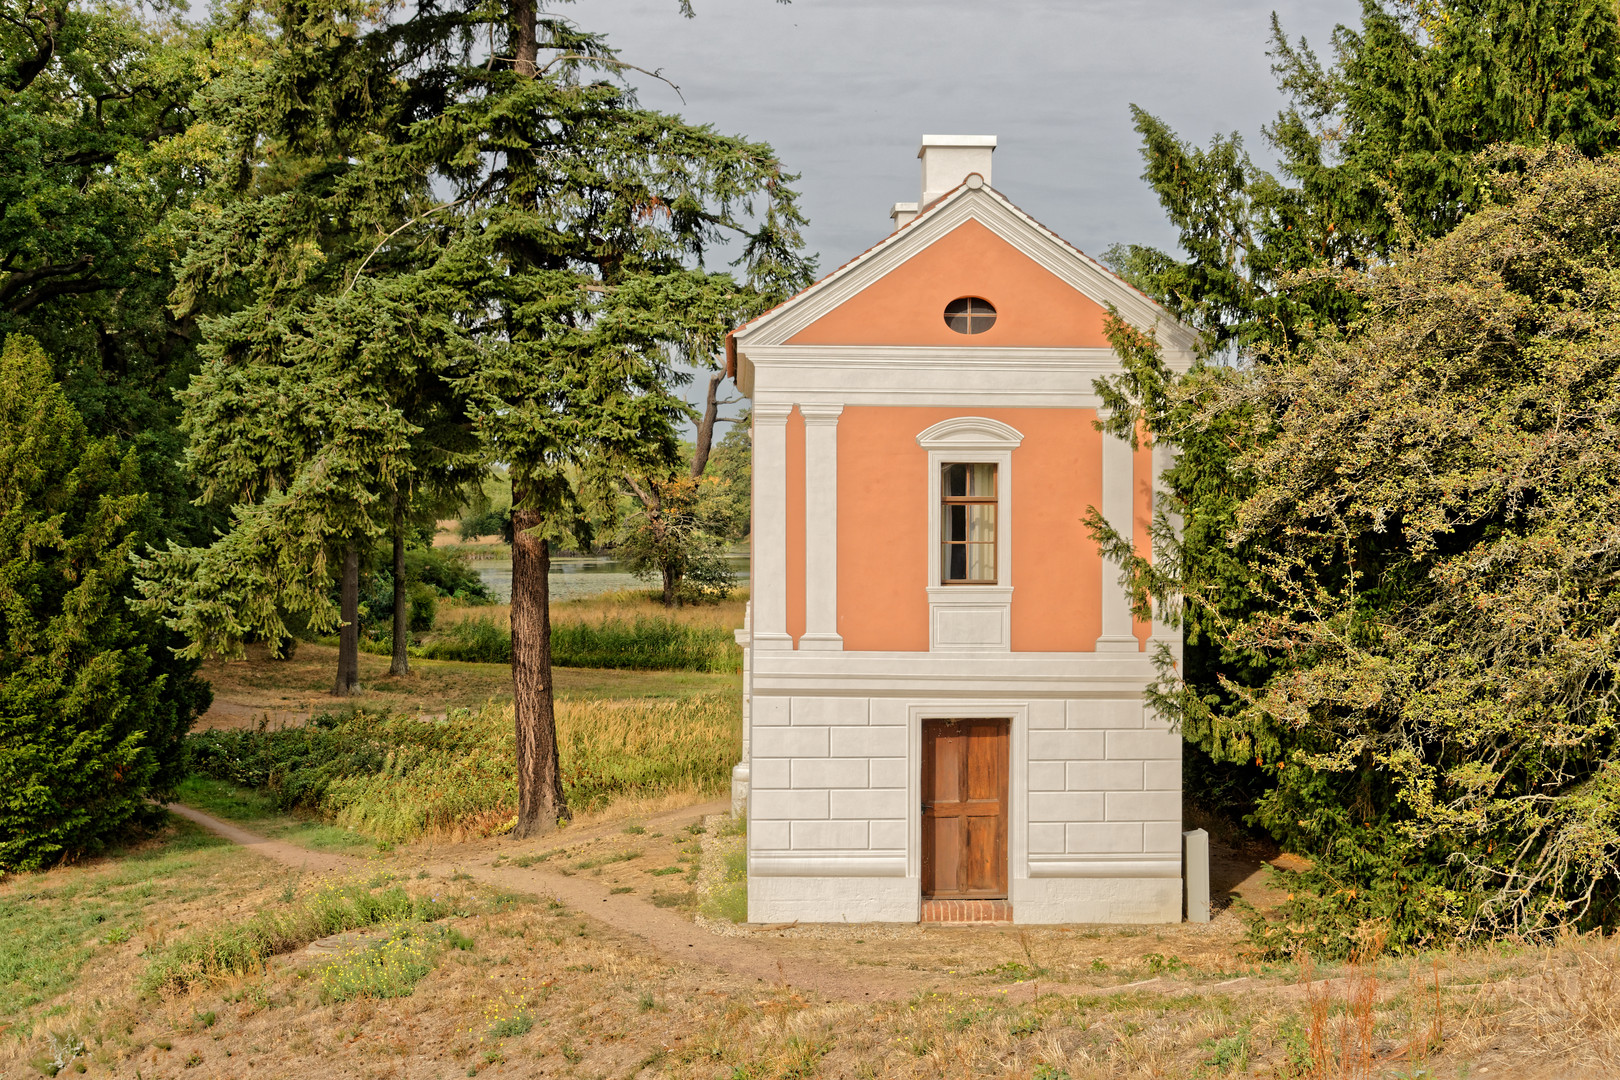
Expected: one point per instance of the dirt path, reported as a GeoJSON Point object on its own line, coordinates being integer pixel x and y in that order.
{"type": "Point", "coordinates": [663, 931]}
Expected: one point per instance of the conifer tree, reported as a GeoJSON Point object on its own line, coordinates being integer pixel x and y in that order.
{"type": "Point", "coordinates": [93, 706]}
{"type": "Point", "coordinates": [535, 239]}
{"type": "Point", "coordinates": [94, 168]}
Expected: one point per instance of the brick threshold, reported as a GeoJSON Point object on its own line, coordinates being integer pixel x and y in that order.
{"type": "Point", "coordinates": [959, 912]}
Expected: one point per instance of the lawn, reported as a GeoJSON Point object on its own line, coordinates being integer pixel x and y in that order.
{"type": "Point", "coordinates": [257, 810]}
{"type": "Point", "coordinates": [53, 925]}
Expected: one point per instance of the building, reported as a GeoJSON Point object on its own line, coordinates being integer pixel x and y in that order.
{"type": "Point", "coordinates": [943, 681]}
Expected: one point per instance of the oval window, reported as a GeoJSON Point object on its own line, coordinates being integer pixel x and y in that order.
{"type": "Point", "coordinates": [970, 315]}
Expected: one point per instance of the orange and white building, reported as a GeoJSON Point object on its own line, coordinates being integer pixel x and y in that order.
{"type": "Point", "coordinates": [943, 681]}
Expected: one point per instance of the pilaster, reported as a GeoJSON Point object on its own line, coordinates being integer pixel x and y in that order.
{"type": "Point", "coordinates": [821, 527]}
{"type": "Point", "coordinates": [769, 572]}
{"type": "Point", "coordinates": [1118, 489]}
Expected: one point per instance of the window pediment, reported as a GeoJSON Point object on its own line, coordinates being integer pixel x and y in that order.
{"type": "Point", "coordinates": [968, 433]}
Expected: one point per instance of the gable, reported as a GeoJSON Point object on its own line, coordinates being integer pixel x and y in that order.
{"type": "Point", "coordinates": [1034, 307]}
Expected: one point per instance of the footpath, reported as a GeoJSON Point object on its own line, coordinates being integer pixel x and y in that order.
{"type": "Point", "coordinates": [661, 931]}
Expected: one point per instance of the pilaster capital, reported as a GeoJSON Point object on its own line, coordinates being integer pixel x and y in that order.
{"type": "Point", "coordinates": [772, 414]}
{"type": "Point", "coordinates": [820, 414]}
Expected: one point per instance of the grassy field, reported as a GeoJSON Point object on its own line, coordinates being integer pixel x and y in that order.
{"type": "Point", "coordinates": [54, 926]}
{"type": "Point", "coordinates": [721, 615]}
{"type": "Point", "coordinates": [619, 630]}
{"type": "Point", "coordinates": [221, 975]}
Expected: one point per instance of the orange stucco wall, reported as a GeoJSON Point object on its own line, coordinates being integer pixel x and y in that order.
{"type": "Point", "coordinates": [883, 565]}
{"type": "Point", "coordinates": [1034, 307]}
{"type": "Point", "coordinates": [795, 525]}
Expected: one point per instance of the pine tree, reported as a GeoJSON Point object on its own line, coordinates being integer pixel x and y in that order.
{"type": "Point", "coordinates": [93, 706]}
{"type": "Point", "coordinates": [326, 412]}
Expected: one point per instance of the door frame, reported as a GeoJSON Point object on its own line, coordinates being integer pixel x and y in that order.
{"type": "Point", "coordinates": [1016, 713]}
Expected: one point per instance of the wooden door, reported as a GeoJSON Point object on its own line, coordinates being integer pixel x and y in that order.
{"type": "Point", "coordinates": [964, 796]}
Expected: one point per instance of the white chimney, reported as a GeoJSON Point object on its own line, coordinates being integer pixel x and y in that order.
{"type": "Point", "coordinates": [948, 159]}
{"type": "Point", "coordinates": [902, 213]}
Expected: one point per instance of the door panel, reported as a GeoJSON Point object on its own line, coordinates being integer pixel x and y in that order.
{"type": "Point", "coordinates": [964, 809]}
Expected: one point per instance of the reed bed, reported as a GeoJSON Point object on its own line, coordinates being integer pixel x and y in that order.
{"type": "Point", "coordinates": [639, 643]}
{"type": "Point", "coordinates": [398, 778]}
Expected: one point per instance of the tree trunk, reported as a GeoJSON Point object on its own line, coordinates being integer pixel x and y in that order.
{"type": "Point", "coordinates": [671, 582]}
{"type": "Point", "coordinates": [540, 791]}
{"type": "Point", "coordinates": [402, 663]}
{"type": "Point", "coordinates": [525, 47]}
{"type": "Point", "coordinates": [348, 669]}
{"type": "Point", "coordinates": [705, 431]}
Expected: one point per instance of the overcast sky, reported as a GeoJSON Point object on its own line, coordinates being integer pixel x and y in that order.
{"type": "Point", "coordinates": [844, 90]}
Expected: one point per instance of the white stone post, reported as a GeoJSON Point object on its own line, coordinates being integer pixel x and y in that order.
{"type": "Point", "coordinates": [1195, 873]}
{"type": "Point", "coordinates": [769, 572]}
{"type": "Point", "coordinates": [821, 527]}
{"type": "Point", "coordinates": [742, 771]}
{"type": "Point", "coordinates": [1118, 496]}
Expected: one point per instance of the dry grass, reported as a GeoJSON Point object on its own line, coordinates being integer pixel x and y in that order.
{"type": "Point", "coordinates": [290, 691]}
{"type": "Point", "coordinates": [544, 990]}
{"type": "Point", "coordinates": [627, 605]}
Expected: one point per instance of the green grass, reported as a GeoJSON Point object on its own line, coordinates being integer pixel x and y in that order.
{"type": "Point", "coordinates": [258, 808]}
{"type": "Point", "coordinates": [396, 777]}
{"type": "Point", "coordinates": [49, 932]}
{"type": "Point", "coordinates": [243, 947]}
{"type": "Point", "coordinates": [389, 968]}
{"type": "Point", "coordinates": [641, 643]}
{"type": "Point", "coordinates": [729, 899]}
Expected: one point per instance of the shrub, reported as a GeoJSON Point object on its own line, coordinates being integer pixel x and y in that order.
{"type": "Point", "coordinates": [396, 777]}
{"type": "Point", "coordinates": [476, 640]}
{"type": "Point", "coordinates": [93, 705]}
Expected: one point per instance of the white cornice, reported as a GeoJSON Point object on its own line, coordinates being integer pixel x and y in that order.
{"type": "Point", "coordinates": [906, 375]}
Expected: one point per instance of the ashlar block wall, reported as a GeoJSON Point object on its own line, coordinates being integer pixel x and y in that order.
{"type": "Point", "coordinates": [1104, 781]}
{"type": "Point", "coordinates": [1095, 810]}
{"type": "Point", "coordinates": [828, 776]}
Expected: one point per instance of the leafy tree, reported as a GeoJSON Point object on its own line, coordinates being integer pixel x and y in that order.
{"type": "Point", "coordinates": [683, 518]}
{"type": "Point", "coordinates": [667, 538]}
{"type": "Point", "coordinates": [1438, 489]}
{"type": "Point", "coordinates": [1379, 152]}
{"type": "Point", "coordinates": [93, 705]}
{"type": "Point", "coordinates": [94, 167]}
{"type": "Point", "coordinates": [725, 505]}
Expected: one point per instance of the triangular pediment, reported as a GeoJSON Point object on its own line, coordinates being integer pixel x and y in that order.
{"type": "Point", "coordinates": [1034, 307]}
{"type": "Point", "coordinates": [972, 242]}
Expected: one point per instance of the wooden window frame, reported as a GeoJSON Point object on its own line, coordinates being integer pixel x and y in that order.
{"type": "Point", "coordinates": [994, 543]}
{"type": "Point", "coordinates": [978, 320]}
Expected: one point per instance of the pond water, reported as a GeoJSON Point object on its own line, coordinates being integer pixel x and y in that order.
{"type": "Point", "coordinates": [580, 578]}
